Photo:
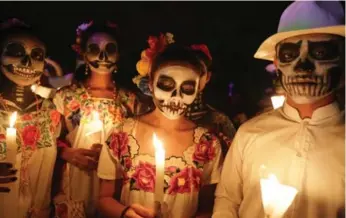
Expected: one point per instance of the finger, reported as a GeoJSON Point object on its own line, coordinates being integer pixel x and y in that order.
{"type": "Point", "coordinates": [10, 172]}
{"type": "Point", "coordinates": [88, 152]}
{"type": "Point", "coordinates": [132, 214]}
{"type": "Point", "coordinates": [8, 179]}
{"type": "Point", "coordinates": [4, 189]}
{"type": "Point", "coordinates": [96, 147]}
{"type": "Point", "coordinates": [86, 163]}
{"type": "Point", "coordinates": [142, 211]}
{"type": "Point", "coordinates": [5, 166]}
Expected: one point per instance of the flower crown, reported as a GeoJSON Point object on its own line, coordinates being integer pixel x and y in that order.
{"type": "Point", "coordinates": [81, 29]}
{"type": "Point", "coordinates": [156, 45]}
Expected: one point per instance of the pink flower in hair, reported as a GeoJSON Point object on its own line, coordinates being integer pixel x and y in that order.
{"type": "Point", "coordinates": [203, 48]}
{"type": "Point", "coordinates": [84, 26]}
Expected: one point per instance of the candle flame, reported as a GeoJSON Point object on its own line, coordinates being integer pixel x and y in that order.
{"type": "Point", "coordinates": [277, 101]}
{"type": "Point", "coordinates": [13, 119]}
{"type": "Point", "coordinates": [33, 88]}
{"type": "Point", "coordinates": [96, 116]}
{"type": "Point", "coordinates": [157, 143]}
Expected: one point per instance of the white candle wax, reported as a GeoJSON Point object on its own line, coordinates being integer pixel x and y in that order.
{"type": "Point", "coordinates": [277, 101]}
{"type": "Point", "coordinates": [160, 166]}
{"type": "Point", "coordinates": [11, 142]}
{"type": "Point", "coordinates": [276, 197]}
{"type": "Point", "coordinates": [94, 129]}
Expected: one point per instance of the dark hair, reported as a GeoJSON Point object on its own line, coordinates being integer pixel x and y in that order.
{"type": "Point", "coordinates": [14, 27]}
{"type": "Point", "coordinates": [94, 28]}
{"type": "Point", "coordinates": [177, 55]}
{"type": "Point", "coordinates": [206, 60]}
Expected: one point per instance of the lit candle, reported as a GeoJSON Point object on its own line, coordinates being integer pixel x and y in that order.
{"type": "Point", "coordinates": [42, 91]}
{"type": "Point", "coordinates": [276, 197]}
{"type": "Point", "coordinates": [160, 166]}
{"type": "Point", "coordinates": [95, 128]}
{"type": "Point", "coordinates": [11, 143]}
{"type": "Point", "coordinates": [277, 101]}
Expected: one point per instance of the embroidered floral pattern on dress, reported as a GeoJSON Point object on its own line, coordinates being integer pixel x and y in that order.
{"type": "Point", "coordinates": [182, 174]}
{"type": "Point", "coordinates": [78, 106]}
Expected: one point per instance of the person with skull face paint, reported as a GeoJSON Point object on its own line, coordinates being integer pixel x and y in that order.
{"type": "Point", "coordinates": [205, 115]}
{"type": "Point", "coordinates": [303, 142]}
{"type": "Point", "coordinates": [194, 155]}
{"type": "Point", "coordinates": [38, 123]}
{"type": "Point", "coordinates": [94, 90]}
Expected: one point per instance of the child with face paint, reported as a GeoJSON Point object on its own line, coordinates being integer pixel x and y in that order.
{"type": "Point", "coordinates": [193, 154]}
{"type": "Point", "coordinates": [94, 90]}
{"type": "Point", "coordinates": [37, 124]}
{"type": "Point", "coordinates": [303, 142]}
{"type": "Point", "coordinates": [203, 114]}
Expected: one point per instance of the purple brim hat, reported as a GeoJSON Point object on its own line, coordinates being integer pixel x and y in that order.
{"type": "Point", "coordinates": [305, 17]}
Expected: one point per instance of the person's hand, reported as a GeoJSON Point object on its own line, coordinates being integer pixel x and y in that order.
{"type": "Point", "coordinates": [9, 175]}
{"type": "Point", "coordinates": [138, 211]}
{"type": "Point", "coordinates": [84, 159]}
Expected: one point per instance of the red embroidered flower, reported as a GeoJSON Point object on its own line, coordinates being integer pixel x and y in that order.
{"type": "Point", "coordinates": [189, 179]}
{"type": "Point", "coordinates": [30, 136]}
{"type": "Point", "coordinates": [27, 117]}
{"type": "Point", "coordinates": [156, 45]}
{"type": "Point", "coordinates": [2, 137]}
{"type": "Point", "coordinates": [74, 105]}
{"type": "Point", "coordinates": [204, 151]}
{"type": "Point", "coordinates": [84, 96]}
{"type": "Point", "coordinates": [119, 144]}
{"type": "Point", "coordinates": [145, 177]}
{"type": "Point", "coordinates": [55, 117]}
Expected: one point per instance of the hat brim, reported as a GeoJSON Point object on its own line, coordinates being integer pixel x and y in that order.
{"type": "Point", "coordinates": [266, 51]}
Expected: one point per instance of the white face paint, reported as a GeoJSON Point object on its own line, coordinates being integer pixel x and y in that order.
{"type": "Point", "coordinates": [310, 66]}
{"type": "Point", "coordinates": [22, 59]}
{"type": "Point", "coordinates": [174, 88]}
{"type": "Point", "coordinates": [101, 53]}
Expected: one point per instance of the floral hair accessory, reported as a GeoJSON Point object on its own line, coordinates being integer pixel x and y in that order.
{"type": "Point", "coordinates": [156, 45]}
{"type": "Point", "coordinates": [80, 29]}
{"type": "Point", "coordinates": [203, 48]}
{"type": "Point", "coordinates": [13, 22]}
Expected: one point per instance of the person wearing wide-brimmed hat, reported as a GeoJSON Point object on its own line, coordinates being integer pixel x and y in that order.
{"type": "Point", "coordinates": [303, 142]}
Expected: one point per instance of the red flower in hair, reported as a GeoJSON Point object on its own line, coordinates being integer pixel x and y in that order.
{"type": "Point", "coordinates": [203, 48]}
{"type": "Point", "coordinates": [156, 45]}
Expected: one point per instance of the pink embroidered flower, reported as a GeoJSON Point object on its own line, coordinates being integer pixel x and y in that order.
{"type": "Point", "coordinates": [145, 176]}
{"type": "Point", "coordinates": [204, 151]}
{"type": "Point", "coordinates": [2, 137]}
{"type": "Point", "coordinates": [189, 179]}
{"type": "Point", "coordinates": [30, 136]}
{"type": "Point", "coordinates": [171, 169]}
{"type": "Point", "coordinates": [27, 117]}
{"type": "Point", "coordinates": [119, 144]}
{"type": "Point", "coordinates": [55, 117]}
{"type": "Point", "coordinates": [74, 105]}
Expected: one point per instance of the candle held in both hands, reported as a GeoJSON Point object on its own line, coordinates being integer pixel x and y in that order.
{"type": "Point", "coordinates": [160, 166]}
{"type": "Point", "coordinates": [276, 197]}
{"type": "Point", "coordinates": [11, 142]}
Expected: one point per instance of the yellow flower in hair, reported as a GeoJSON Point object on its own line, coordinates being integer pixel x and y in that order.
{"type": "Point", "coordinates": [143, 67]}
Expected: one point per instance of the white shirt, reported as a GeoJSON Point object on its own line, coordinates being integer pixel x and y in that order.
{"type": "Point", "coordinates": [307, 154]}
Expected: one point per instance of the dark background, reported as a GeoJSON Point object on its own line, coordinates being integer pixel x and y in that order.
{"type": "Point", "coordinates": [232, 30]}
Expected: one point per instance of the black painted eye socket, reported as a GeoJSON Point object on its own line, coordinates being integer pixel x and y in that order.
{"type": "Point", "coordinates": [326, 50]}
{"type": "Point", "coordinates": [93, 49]}
{"type": "Point", "coordinates": [166, 83]}
{"type": "Point", "coordinates": [188, 87]}
{"type": "Point", "coordinates": [37, 54]}
{"type": "Point", "coordinates": [288, 52]}
{"type": "Point", "coordinates": [111, 48]}
{"type": "Point", "coordinates": [14, 50]}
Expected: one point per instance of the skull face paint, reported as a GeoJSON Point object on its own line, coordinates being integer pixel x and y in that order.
{"type": "Point", "coordinates": [310, 66]}
{"type": "Point", "coordinates": [101, 53]}
{"type": "Point", "coordinates": [174, 88]}
{"type": "Point", "coordinates": [22, 59]}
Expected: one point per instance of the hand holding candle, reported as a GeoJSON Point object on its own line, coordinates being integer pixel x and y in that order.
{"type": "Point", "coordinates": [276, 197]}
{"type": "Point", "coordinates": [11, 142]}
{"type": "Point", "coordinates": [160, 166]}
